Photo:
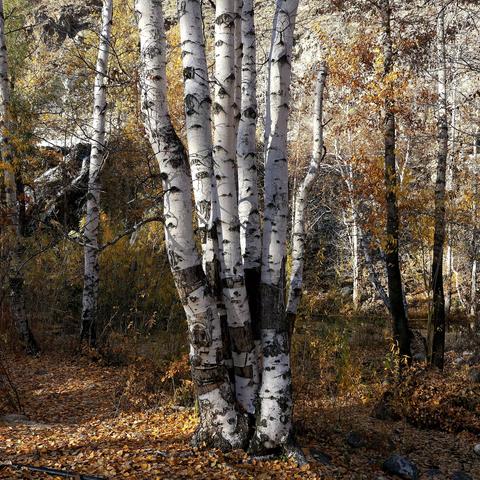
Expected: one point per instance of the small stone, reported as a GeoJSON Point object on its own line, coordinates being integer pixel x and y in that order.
{"type": "Point", "coordinates": [419, 357]}
{"type": "Point", "coordinates": [459, 475]}
{"type": "Point", "coordinates": [474, 360]}
{"type": "Point", "coordinates": [433, 472]}
{"type": "Point", "coordinates": [458, 361]}
{"type": "Point", "coordinates": [474, 374]}
{"type": "Point", "coordinates": [401, 466]}
{"type": "Point", "coordinates": [355, 440]}
{"type": "Point", "coordinates": [321, 457]}
{"type": "Point", "coordinates": [476, 449]}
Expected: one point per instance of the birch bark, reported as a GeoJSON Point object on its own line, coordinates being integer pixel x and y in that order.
{"type": "Point", "coordinates": [220, 424]}
{"type": "Point", "coordinates": [14, 243]}
{"type": "Point", "coordinates": [274, 419]}
{"type": "Point", "coordinates": [224, 151]}
{"type": "Point", "coordinates": [250, 234]}
{"type": "Point", "coordinates": [198, 122]}
{"type": "Point", "coordinates": [92, 220]}
{"type": "Point", "coordinates": [437, 333]}
{"type": "Point", "coordinates": [298, 244]}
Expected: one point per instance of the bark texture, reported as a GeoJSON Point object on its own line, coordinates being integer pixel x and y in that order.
{"type": "Point", "coordinates": [437, 331]}
{"type": "Point", "coordinates": [401, 332]}
{"type": "Point", "coordinates": [233, 279]}
{"type": "Point", "coordinates": [97, 156]}
{"type": "Point", "coordinates": [220, 424]}
{"type": "Point", "coordinates": [274, 418]}
{"type": "Point", "coordinates": [250, 233]}
{"type": "Point", "coordinates": [298, 243]}
{"type": "Point", "coordinates": [11, 207]}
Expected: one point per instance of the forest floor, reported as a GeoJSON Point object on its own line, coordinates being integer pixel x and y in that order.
{"type": "Point", "coordinates": [78, 418]}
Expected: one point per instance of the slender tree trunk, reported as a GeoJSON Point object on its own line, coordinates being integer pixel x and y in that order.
{"type": "Point", "coordinates": [473, 276]}
{"type": "Point", "coordinates": [248, 212]}
{"type": "Point", "coordinates": [238, 52]}
{"type": "Point", "coordinates": [274, 418]}
{"type": "Point", "coordinates": [220, 424]}
{"type": "Point", "coordinates": [199, 131]}
{"type": "Point", "coordinates": [437, 333]}
{"type": "Point", "coordinates": [92, 220]}
{"type": "Point", "coordinates": [298, 244]}
{"type": "Point", "coordinates": [448, 277]}
{"type": "Point", "coordinates": [14, 241]}
{"type": "Point", "coordinates": [234, 290]}
{"type": "Point", "coordinates": [355, 265]}
{"type": "Point", "coordinates": [401, 332]}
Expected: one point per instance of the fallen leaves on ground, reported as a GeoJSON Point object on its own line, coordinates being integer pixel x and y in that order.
{"type": "Point", "coordinates": [75, 422]}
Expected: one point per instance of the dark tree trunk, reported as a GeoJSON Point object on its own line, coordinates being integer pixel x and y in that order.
{"type": "Point", "coordinates": [401, 331]}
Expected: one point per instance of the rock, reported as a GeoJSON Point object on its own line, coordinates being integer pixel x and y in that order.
{"type": "Point", "coordinates": [474, 374]}
{"type": "Point", "coordinates": [476, 449]}
{"type": "Point", "coordinates": [321, 457]}
{"type": "Point", "coordinates": [346, 291]}
{"type": "Point", "coordinates": [458, 361]}
{"type": "Point", "coordinates": [433, 472]}
{"type": "Point", "coordinates": [419, 357]}
{"type": "Point", "coordinates": [474, 360]}
{"type": "Point", "coordinates": [401, 466]}
{"type": "Point", "coordinates": [459, 475]}
{"type": "Point", "coordinates": [355, 440]}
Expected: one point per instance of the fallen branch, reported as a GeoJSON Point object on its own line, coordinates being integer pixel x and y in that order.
{"type": "Point", "coordinates": [49, 471]}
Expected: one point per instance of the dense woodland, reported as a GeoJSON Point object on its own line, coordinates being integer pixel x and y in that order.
{"type": "Point", "coordinates": [239, 239]}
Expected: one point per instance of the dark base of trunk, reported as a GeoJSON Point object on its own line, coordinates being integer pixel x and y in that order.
{"type": "Point", "coordinates": [207, 436]}
{"type": "Point", "coordinates": [31, 345]}
{"type": "Point", "coordinates": [289, 450]}
{"type": "Point", "coordinates": [88, 333]}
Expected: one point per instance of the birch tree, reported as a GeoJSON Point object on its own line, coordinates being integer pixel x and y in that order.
{"type": "Point", "coordinates": [221, 400]}
{"type": "Point", "coordinates": [198, 122]}
{"type": "Point", "coordinates": [97, 156]}
{"type": "Point", "coordinates": [224, 151]}
{"type": "Point", "coordinates": [12, 230]}
{"type": "Point", "coordinates": [220, 424]}
{"type": "Point", "coordinates": [274, 418]}
{"type": "Point", "coordinates": [437, 330]}
{"type": "Point", "coordinates": [248, 208]}
{"type": "Point", "coordinates": [298, 244]}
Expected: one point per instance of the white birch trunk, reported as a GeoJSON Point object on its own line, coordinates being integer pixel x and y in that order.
{"type": "Point", "coordinates": [248, 211]}
{"type": "Point", "coordinates": [473, 276]}
{"type": "Point", "coordinates": [473, 290]}
{"type": "Point", "coordinates": [235, 293]}
{"type": "Point", "coordinates": [274, 419]}
{"type": "Point", "coordinates": [220, 424]}
{"type": "Point", "coordinates": [355, 265]}
{"type": "Point", "coordinates": [92, 219]}
{"type": "Point", "coordinates": [14, 244]}
{"type": "Point", "coordinates": [238, 7]}
{"type": "Point", "coordinates": [199, 137]}
{"type": "Point", "coordinates": [198, 122]}
{"type": "Point", "coordinates": [298, 245]}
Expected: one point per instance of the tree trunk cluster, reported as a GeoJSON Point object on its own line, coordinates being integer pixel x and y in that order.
{"type": "Point", "coordinates": [233, 290]}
